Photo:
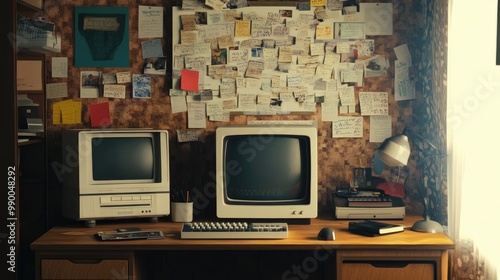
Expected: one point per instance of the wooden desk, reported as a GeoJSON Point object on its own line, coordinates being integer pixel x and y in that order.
{"type": "Point", "coordinates": [65, 252]}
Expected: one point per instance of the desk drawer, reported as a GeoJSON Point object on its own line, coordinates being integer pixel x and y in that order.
{"type": "Point", "coordinates": [84, 269]}
{"type": "Point", "coordinates": [388, 270]}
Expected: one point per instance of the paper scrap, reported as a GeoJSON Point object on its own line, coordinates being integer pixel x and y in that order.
{"type": "Point", "coordinates": [347, 127]}
{"type": "Point", "coordinates": [59, 67]}
{"type": "Point", "coordinates": [189, 135]}
{"type": "Point", "coordinates": [380, 128]}
{"type": "Point", "coordinates": [150, 22]}
{"type": "Point", "coordinates": [56, 90]}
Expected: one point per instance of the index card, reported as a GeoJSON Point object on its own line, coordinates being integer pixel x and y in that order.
{"type": "Point", "coordinates": [56, 90]}
{"type": "Point", "coordinates": [59, 67]}
{"type": "Point", "coordinates": [378, 18]}
{"type": "Point", "coordinates": [374, 103]}
{"type": "Point", "coordinates": [347, 127]}
{"type": "Point", "coordinates": [178, 103]}
{"type": "Point", "coordinates": [196, 115]}
{"type": "Point", "coordinates": [114, 91]}
{"type": "Point", "coordinates": [380, 128]}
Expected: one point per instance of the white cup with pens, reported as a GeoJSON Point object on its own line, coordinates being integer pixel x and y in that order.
{"type": "Point", "coordinates": [182, 206]}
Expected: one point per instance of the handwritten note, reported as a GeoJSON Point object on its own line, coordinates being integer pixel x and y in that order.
{"type": "Point", "coordinates": [347, 127]}
{"type": "Point", "coordinates": [242, 28]}
{"type": "Point", "coordinates": [59, 67]}
{"type": "Point", "coordinates": [123, 77]}
{"type": "Point", "coordinates": [380, 128]}
{"type": "Point", "coordinates": [56, 90]}
{"type": "Point", "coordinates": [196, 115]}
{"type": "Point", "coordinates": [350, 30]}
{"type": "Point", "coordinates": [178, 103]}
{"type": "Point", "coordinates": [189, 135]}
{"type": "Point", "coordinates": [150, 22]}
{"type": "Point", "coordinates": [404, 87]}
{"type": "Point", "coordinates": [374, 103]}
{"type": "Point", "coordinates": [114, 91]}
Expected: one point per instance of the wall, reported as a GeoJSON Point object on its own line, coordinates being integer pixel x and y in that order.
{"type": "Point", "coordinates": [192, 162]}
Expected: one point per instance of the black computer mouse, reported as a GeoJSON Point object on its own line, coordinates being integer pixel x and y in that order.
{"type": "Point", "coordinates": [326, 234]}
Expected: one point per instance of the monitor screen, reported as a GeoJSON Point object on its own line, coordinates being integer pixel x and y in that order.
{"type": "Point", "coordinates": [266, 172]}
{"type": "Point", "coordinates": [122, 158]}
{"type": "Point", "coordinates": [271, 169]}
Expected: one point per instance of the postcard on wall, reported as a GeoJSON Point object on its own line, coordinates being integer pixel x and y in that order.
{"type": "Point", "coordinates": [141, 86]}
{"type": "Point", "coordinates": [101, 37]}
{"type": "Point", "coordinates": [89, 84]}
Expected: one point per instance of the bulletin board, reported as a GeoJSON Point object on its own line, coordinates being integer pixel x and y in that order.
{"type": "Point", "coordinates": [246, 59]}
{"type": "Point", "coordinates": [270, 60]}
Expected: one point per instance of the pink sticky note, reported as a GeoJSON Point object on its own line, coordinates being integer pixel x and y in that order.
{"type": "Point", "coordinates": [189, 80]}
{"type": "Point", "coordinates": [99, 114]}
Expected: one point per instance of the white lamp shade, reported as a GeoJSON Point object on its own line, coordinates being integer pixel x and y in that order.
{"type": "Point", "coordinates": [395, 150]}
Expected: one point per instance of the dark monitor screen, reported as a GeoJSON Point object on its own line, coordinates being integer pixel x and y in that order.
{"type": "Point", "coordinates": [123, 158]}
{"type": "Point", "coordinates": [272, 169]}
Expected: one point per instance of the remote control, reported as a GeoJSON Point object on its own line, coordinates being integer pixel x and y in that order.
{"type": "Point", "coordinates": [129, 235]}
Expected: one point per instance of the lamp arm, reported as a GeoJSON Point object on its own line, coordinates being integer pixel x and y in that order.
{"type": "Point", "coordinates": [411, 134]}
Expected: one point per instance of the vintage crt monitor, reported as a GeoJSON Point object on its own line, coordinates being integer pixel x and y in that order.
{"type": "Point", "coordinates": [115, 173]}
{"type": "Point", "coordinates": [266, 173]}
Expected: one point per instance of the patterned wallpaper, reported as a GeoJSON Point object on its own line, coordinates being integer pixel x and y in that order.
{"type": "Point", "coordinates": [193, 162]}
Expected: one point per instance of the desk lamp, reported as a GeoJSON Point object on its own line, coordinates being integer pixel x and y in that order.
{"type": "Point", "coordinates": [395, 151]}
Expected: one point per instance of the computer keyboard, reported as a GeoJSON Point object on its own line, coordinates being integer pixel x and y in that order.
{"type": "Point", "coordinates": [234, 230]}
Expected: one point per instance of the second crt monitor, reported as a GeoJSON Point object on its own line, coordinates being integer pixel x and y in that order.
{"type": "Point", "coordinates": [267, 172]}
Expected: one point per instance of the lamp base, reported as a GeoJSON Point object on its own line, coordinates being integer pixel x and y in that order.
{"type": "Point", "coordinates": [427, 226]}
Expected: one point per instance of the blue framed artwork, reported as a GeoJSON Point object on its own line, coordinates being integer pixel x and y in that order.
{"type": "Point", "coordinates": [101, 37]}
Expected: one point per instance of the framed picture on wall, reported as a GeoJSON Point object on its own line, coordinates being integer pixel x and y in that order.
{"type": "Point", "coordinates": [102, 37]}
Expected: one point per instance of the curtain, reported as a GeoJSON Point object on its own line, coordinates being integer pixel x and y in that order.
{"type": "Point", "coordinates": [473, 139]}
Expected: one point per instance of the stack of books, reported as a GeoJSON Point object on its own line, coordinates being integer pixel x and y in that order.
{"type": "Point", "coordinates": [374, 228]}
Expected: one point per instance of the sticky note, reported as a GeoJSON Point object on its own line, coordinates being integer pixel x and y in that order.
{"type": "Point", "coordinates": [189, 80]}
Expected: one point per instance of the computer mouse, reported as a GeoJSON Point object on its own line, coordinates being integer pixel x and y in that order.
{"type": "Point", "coordinates": [326, 234]}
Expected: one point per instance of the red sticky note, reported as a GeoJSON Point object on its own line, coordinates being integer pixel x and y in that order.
{"type": "Point", "coordinates": [189, 80]}
{"type": "Point", "coordinates": [99, 114]}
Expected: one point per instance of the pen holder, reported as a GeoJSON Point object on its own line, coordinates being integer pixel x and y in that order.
{"type": "Point", "coordinates": [362, 177]}
{"type": "Point", "coordinates": [182, 212]}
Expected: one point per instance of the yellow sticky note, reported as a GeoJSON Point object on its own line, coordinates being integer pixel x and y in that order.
{"type": "Point", "coordinates": [242, 28]}
{"type": "Point", "coordinates": [318, 3]}
{"type": "Point", "coordinates": [56, 113]}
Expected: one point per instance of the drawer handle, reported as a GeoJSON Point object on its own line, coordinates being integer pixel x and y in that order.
{"type": "Point", "coordinates": [389, 264]}
{"type": "Point", "coordinates": [85, 261]}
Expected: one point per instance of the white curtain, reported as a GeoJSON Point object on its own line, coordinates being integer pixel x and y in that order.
{"type": "Point", "coordinates": [473, 135]}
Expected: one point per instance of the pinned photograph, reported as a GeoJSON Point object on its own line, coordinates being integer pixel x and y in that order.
{"type": "Point", "coordinates": [89, 84]}
{"type": "Point", "coordinates": [155, 66]}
